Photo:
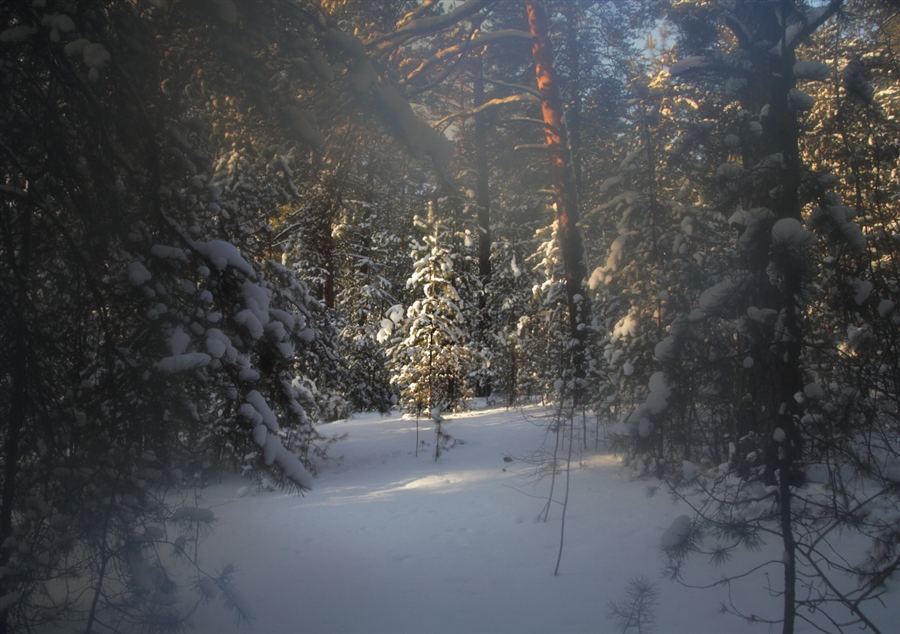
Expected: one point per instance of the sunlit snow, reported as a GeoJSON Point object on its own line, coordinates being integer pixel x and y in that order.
{"type": "Point", "coordinates": [388, 541]}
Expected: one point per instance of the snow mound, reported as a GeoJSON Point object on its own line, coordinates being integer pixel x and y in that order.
{"type": "Point", "coordinates": [788, 232]}
{"type": "Point", "coordinates": [812, 71]}
{"type": "Point", "coordinates": [183, 362]}
{"type": "Point", "coordinates": [677, 534]}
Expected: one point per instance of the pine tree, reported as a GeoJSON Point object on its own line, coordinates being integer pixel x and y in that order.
{"type": "Point", "coordinates": [758, 328]}
{"type": "Point", "coordinates": [142, 315]}
{"type": "Point", "coordinates": [430, 357]}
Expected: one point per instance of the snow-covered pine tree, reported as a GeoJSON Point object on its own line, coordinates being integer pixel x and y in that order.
{"type": "Point", "coordinates": [510, 299]}
{"type": "Point", "coordinates": [785, 475]}
{"type": "Point", "coordinates": [429, 355]}
{"type": "Point", "coordinates": [541, 330]}
{"type": "Point", "coordinates": [370, 282]}
{"type": "Point", "coordinates": [151, 339]}
{"type": "Point", "coordinates": [662, 248]}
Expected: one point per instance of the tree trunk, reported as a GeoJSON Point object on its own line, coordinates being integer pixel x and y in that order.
{"type": "Point", "coordinates": [18, 405]}
{"type": "Point", "coordinates": [482, 188]}
{"type": "Point", "coordinates": [483, 204]}
{"type": "Point", "coordinates": [573, 60]}
{"type": "Point", "coordinates": [327, 254]}
{"type": "Point", "coordinates": [777, 375]}
{"type": "Point", "coordinates": [562, 176]}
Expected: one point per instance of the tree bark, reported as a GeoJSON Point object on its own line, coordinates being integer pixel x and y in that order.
{"type": "Point", "coordinates": [18, 405]}
{"type": "Point", "coordinates": [573, 118]}
{"type": "Point", "coordinates": [483, 205]}
{"type": "Point", "coordinates": [777, 375]}
{"type": "Point", "coordinates": [482, 187]}
{"type": "Point", "coordinates": [562, 176]}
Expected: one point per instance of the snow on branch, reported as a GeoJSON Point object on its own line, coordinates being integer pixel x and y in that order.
{"type": "Point", "coordinates": [540, 122]}
{"type": "Point", "coordinates": [415, 13]}
{"type": "Point", "coordinates": [532, 146]}
{"type": "Point", "coordinates": [430, 25]}
{"type": "Point", "coordinates": [518, 87]}
{"type": "Point", "coordinates": [478, 40]}
{"type": "Point", "coordinates": [388, 103]}
{"type": "Point", "coordinates": [421, 139]}
{"type": "Point", "coordinates": [694, 62]}
{"type": "Point", "coordinates": [795, 34]}
{"type": "Point", "coordinates": [493, 103]}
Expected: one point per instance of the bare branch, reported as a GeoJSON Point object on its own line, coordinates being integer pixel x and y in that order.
{"type": "Point", "coordinates": [519, 87]}
{"type": "Point", "coordinates": [429, 26]}
{"type": "Point", "coordinates": [532, 146]}
{"type": "Point", "coordinates": [493, 103]}
{"type": "Point", "coordinates": [479, 40]}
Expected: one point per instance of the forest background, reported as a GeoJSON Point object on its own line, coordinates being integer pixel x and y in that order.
{"type": "Point", "coordinates": [226, 224]}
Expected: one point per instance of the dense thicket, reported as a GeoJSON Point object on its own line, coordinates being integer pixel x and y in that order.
{"type": "Point", "coordinates": [224, 223]}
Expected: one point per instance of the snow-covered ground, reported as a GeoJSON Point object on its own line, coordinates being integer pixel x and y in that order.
{"type": "Point", "coordinates": [392, 542]}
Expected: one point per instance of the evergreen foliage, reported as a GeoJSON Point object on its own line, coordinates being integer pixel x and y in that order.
{"type": "Point", "coordinates": [430, 359]}
{"type": "Point", "coordinates": [204, 209]}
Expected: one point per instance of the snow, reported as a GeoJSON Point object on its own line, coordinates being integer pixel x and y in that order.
{"type": "Point", "coordinates": [179, 341]}
{"type": "Point", "coordinates": [218, 344]}
{"type": "Point", "coordinates": [677, 532]}
{"type": "Point", "coordinates": [814, 391]}
{"type": "Point", "coordinates": [625, 327]}
{"type": "Point", "coordinates": [183, 362]}
{"type": "Point", "coordinates": [388, 541]}
{"type": "Point", "coordinates": [222, 254]}
{"type": "Point", "coordinates": [863, 290]}
{"type": "Point", "coordinates": [215, 348]}
{"type": "Point", "coordinates": [17, 34]}
{"type": "Point", "coordinates": [788, 232]}
{"type": "Point", "coordinates": [800, 100]}
{"type": "Point", "coordinates": [256, 299]}
{"type": "Point", "coordinates": [194, 514]}
{"type": "Point", "coordinates": [58, 21]}
{"type": "Point", "coordinates": [717, 297]}
{"type": "Point", "coordinates": [813, 71]}
{"type": "Point", "coordinates": [286, 318]}
{"type": "Point", "coordinates": [617, 252]}
{"type": "Point", "coordinates": [168, 252]}
{"type": "Point", "coordinates": [659, 393]}
{"type": "Point", "coordinates": [248, 319]}
{"type": "Point", "coordinates": [516, 271]}
{"type": "Point", "coordinates": [259, 434]}
{"type": "Point", "coordinates": [729, 171]}
{"type": "Point", "coordinates": [138, 273]}
{"type": "Point", "coordinates": [95, 56]}
{"type": "Point", "coordinates": [664, 351]}
{"type": "Point", "coordinates": [688, 63]}
{"type": "Point", "coordinates": [258, 402]}
{"type": "Point", "coordinates": [270, 446]}
{"type": "Point", "coordinates": [840, 218]}
{"type": "Point", "coordinates": [291, 466]}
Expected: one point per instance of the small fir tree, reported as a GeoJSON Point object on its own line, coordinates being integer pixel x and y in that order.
{"type": "Point", "coordinates": [430, 358]}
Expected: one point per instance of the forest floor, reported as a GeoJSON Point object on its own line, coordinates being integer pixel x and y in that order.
{"type": "Point", "coordinates": [394, 542]}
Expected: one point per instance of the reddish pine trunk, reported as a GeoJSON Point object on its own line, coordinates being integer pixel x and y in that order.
{"type": "Point", "coordinates": [562, 177]}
